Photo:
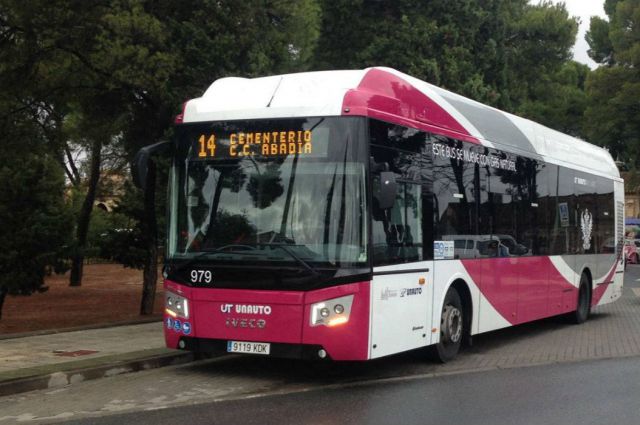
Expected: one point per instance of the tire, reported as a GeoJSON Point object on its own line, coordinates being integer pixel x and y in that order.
{"type": "Point", "coordinates": [583, 308]}
{"type": "Point", "coordinates": [451, 328]}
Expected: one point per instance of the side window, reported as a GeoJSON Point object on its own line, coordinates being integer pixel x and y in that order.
{"type": "Point", "coordinates": [454, 192]}
{"type": "Point", "coordinates": [398, 233]}
{"type": "Point", "coordinates": [545, 202]}
{"type": "Point", "coordinates": [606, 216]}
{"type": "Point", "coordinates": [562, 213]}
{"type": "Point", "coordinates": [586, 213]}
{"type": "Point", "coordinates": [528, 223]}
{"type": "Point", "coordinates": [498, 208]}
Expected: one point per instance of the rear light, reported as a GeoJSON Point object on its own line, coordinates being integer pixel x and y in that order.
{"type": "Point", "coordinates": [331, 312]}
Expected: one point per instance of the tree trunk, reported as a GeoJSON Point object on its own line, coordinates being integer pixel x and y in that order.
{"type": "Point", "coordinates": [85, 215]}
{"type": "Point", "coordinates": [3, 294]}
{"type": "Point", "coordinates": [150, 273]}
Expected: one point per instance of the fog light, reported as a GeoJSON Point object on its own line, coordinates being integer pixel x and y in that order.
{"type": "Point", "coordinates": [322, 354]}
{"type": "Point", "coordinates": [182, 344]}
{"type": "Point", "coordinates": [339, 308]}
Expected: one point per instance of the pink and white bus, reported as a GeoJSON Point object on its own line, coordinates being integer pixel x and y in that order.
{"type": "Point", "coordinates": [351, 215]}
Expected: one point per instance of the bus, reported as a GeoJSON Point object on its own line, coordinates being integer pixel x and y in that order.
{"type": "Point", "coordinates": [351, 215]}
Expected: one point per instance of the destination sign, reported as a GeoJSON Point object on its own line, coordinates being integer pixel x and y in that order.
{"type": "Point", "coordinates": [257, 143]}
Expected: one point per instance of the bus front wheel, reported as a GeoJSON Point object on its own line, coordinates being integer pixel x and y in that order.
{"type": "Point", "coordinates": [451, 328]}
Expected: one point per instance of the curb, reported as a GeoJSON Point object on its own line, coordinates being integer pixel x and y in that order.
{"type": "Point", "coordinates": [155, 318]}
{"type": "Point", "coordinates": [54, 376]}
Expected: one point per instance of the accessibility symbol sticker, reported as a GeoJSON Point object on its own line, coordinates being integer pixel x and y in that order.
{"type": "Point", "coordinates": [169, 323]}
{"type": "Point", "coordinates": [186, 328]}
{"type": "Point", "coordinates": [177, 325]}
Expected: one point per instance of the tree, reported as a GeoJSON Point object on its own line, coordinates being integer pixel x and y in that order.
{"type": "Point", "coordinates": [538, 46]}
{"type": "Point", "coordinates": [159, 53]}
{"type": "Point", "coordinates": [493, 51]}
{"type": "Point", "coordinates": [44, 44]}
{"type": "Point", "coordinates": [612, 118]}
{"type": "Point", "coordinates": [559, 100]}
{"type": "Point", "coordinates": [35, 220]}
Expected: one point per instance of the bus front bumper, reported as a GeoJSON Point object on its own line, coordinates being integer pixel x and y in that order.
{"type": "Point", "coordinates": [291, 322]}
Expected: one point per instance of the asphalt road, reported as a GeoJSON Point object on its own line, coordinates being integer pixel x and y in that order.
{"type": "Point", "coordinates": [583, 374]}
{"type": "Point", "coordinates": [598, 392]}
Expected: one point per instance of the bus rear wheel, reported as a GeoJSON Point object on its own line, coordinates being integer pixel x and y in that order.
{"type": "Point", "coordinates": [451, 328]}
{"type": "Point", "coordinates": [584, 301]}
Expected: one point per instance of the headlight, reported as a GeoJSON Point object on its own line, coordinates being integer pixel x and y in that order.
{"type": "Point", "coordinates": [331, 312]}
{"type": "Point", "coordinates": [176, 306]}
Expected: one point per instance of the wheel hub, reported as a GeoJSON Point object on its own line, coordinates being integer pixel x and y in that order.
{"type": "Point", "coordinates": [451, 324]}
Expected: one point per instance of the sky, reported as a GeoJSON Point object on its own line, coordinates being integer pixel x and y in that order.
{"type": "Point", "coordinates": [582, 9]}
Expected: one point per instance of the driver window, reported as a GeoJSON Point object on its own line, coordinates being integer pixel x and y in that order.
{"type": "Point", "coordinates": [397, 232]}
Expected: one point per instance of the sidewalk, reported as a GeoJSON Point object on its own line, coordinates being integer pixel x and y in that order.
{"type": "Point", "coordinates": [45, 361]}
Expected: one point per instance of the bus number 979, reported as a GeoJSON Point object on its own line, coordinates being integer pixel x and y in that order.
{"type": "Point", "coordinates": [201, 276]}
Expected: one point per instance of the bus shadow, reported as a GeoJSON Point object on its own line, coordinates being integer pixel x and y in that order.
{"type": "Point", "coordinates": [295, 371]}
{"type": "Point", "coordinates": [415, 362]}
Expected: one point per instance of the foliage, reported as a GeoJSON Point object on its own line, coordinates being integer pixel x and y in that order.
{"type": "Point", "coordinates": [125, 244]}
{"type": "Point", "coordinates": [35, 220]}
{"type": "Point", "coordinates": [559, 100]}
{"type": "Point", "coordinates": [103, 225]}
{"type": "Point", "coordinates": [612, 118]}
{"type": "Point", "coordinates": [494, 51]}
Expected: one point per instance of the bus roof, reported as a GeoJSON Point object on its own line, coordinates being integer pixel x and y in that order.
{"type": "Point", "coordinates": [392, 96]}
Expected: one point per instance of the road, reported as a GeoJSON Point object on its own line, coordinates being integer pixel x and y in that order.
{"type": "Point", "coordinates": [596, 392]}
{"type": "Point", "coordinates": [545, 370]}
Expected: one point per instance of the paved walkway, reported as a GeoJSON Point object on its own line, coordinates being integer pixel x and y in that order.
{"type": "Point", "coordinates": [57, 348]}
{"type": "Point", "coordinates": [53, 360]}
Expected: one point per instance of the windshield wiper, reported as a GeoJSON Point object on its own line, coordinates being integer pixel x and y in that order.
{"type": "Point", "coordinates": [283, 247]}
{"type": "Point", "coordinates": [176, 268]}
{"type": "Point", "coordinates": [203, 254]}
{"type": "Point", "coordinates": [299, 260]}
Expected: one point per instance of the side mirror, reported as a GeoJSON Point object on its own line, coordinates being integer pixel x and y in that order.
{"type": "Point", "coordinates": [387, 191]}
{"type": "Point", "coordinates": [140, 166]}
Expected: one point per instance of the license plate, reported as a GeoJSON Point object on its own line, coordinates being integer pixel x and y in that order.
{"type": "Point", "coordinates": [248, 347]}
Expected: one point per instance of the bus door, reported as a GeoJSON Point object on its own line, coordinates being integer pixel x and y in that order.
{"type": "Point", "coordinates": [402, 284]}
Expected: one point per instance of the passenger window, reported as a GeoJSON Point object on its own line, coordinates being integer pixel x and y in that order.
{"type": "Point", "coordinates": [454, 191]}
{"type": "Point", "coordinates": [397, 232]}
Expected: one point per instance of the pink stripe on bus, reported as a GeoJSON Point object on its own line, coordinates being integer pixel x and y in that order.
{"type": "Point", "coordinates": [527, 288]}
{"type": "Point", "coordinates": [385, 96]}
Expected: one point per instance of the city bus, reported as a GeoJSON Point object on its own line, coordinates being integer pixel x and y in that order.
{"type": "Point", "coordinates": [351, 215]}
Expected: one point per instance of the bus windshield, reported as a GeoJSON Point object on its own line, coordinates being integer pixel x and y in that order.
{"type": "Point", "coordinates": [271, 191]}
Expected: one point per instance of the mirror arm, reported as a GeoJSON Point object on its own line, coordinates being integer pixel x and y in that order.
{"type": "Point", "coordinates": [140, 166]}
